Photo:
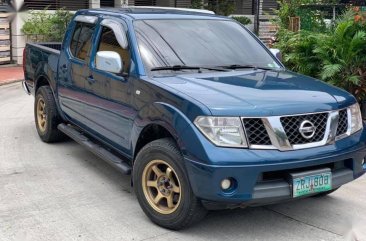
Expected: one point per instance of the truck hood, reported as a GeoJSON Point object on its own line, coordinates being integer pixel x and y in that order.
{"type": "Point", "coordinates": [258, 92]}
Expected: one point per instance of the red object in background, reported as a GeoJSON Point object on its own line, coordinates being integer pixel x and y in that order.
{"type": "Point", "coordinates": [358, 18]}
{"type": "Point", "coordinates": [24, 60]}
{"type": "Point", "coordinates": [11, 74]}
{"type": "Point", "coordinates": [356, 9]}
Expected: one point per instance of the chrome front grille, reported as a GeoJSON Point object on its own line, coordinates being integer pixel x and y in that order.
{"type": "Point", "coordinates": [291, 125]}
{"type": "Point", "coordinates": [256, 131]}
{"type": "Point", "coordinates": [287, 132]}
{"type": "Point", "coordinates": [342, 122]}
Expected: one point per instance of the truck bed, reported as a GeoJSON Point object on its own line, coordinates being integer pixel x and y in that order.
{"type": "Point", "coordinates": [54, 47]}
{"type": "Point", "coordinates": [41, 59]}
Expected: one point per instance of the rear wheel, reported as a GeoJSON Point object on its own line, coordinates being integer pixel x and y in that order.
{"type": "Point", "coordinates": [46, 115]}
{"type": "Point", "coordinates": [162, 188]}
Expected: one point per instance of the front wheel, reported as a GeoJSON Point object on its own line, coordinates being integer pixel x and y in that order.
{"type": "Point", "coordinates": [162, 187]}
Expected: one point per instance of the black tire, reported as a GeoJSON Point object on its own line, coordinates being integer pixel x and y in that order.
{"type": "Point", "coordinates": [323, 194]}
{"type": "Point", "coordinates": [48, 132]}
{"type": "Point", "coordinates": [189, 209]}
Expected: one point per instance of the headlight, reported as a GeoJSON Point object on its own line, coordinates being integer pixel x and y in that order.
{"type": "Point", "coordinates": [356, 118]}
{"type": "Point", "coordinates": [222, 131]}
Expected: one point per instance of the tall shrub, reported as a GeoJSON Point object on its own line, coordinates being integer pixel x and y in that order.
{"type": "Point", "coordinates": [45, 26]}
{"type": "Point", "coordinates": [337, 56]}
{"type": "Point", "coordinates": [343, 57]}
{"type": "Point", "coordinates": [221, 7]}
{"type": "Point", "coordinates": [297, 50]}
{"type": "Point", "coordinates": [242, 19]}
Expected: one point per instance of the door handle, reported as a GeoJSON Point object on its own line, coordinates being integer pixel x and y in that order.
{"type": "Point", "coordinates": [91, 80]}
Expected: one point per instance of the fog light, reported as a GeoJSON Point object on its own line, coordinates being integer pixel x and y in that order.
{"type": "Point", "coordinates": [225, 184]}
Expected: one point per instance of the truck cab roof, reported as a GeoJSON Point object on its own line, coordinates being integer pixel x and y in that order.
{"type": "Point", "coordinates": [136, 12]}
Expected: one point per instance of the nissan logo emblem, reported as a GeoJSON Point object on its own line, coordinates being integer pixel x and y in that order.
{"type": "Point", "coordinates": [307, 129]}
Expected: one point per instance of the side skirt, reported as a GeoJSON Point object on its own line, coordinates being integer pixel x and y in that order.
{"type": "Point", "coordinates": [95, 148]}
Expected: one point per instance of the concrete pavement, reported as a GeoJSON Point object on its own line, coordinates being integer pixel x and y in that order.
{"type": "Point", "coordinates": [63, 192]}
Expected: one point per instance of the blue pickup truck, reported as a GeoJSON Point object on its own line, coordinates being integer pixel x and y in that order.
{"type": "Point", "coordinates": [199, 112]}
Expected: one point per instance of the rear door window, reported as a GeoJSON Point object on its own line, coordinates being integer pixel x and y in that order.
{"type": "Point", "coordinates": [81, 41]}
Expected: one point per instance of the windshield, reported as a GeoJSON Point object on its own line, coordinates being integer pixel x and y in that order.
{"type": "Point", "coordinates": [203, 43]}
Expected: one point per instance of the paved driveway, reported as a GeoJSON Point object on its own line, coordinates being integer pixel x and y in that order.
{"type": "Point", "coordinates": [63, 192]}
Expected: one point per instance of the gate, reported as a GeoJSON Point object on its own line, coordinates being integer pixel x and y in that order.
{"type": "Point", "coordinates": [5, 49]}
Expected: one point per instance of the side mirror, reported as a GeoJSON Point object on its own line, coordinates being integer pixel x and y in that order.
{"type": "Point", "coordinates": [277, 53]}
{"type": "Point", "coordinates": [109, 61]}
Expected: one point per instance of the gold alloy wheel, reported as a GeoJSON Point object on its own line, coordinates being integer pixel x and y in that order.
{"type": "Point", "coordinates": [161, 186]}
{"type": "Point", "coordinates": [41, 114]}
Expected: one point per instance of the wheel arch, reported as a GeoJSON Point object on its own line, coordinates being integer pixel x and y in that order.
{"type": "Point", "coordinates": [159, 120]}
{"type": "Point", "coordinates": [42, 81]}
{"type": "Point", "coordinates": [152, 132]}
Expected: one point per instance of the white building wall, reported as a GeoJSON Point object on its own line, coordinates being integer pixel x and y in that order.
{"type": "Point", "coordinates": [119, 3]}
{"type": "Point", "coordinates": [94, 3]}
{"type": "Point", "coordinates": [17, 37]}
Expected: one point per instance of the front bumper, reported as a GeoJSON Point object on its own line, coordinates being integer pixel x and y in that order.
{"type": "Point", "coordinates": [274, 192]}
{"type": "Point", "coordinates": [262, 175]}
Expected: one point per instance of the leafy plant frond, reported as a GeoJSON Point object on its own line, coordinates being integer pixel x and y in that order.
{"type": "Point", "coordinates": [330, 71]}
{"type": "Point", "coordinates": [354, 79]}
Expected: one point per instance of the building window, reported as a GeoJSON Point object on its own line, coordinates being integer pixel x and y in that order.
{"type": "Point", "coordinates": [145, 3]}
{"type": "Point", "coordinates": [55, 4]}
{"type": "Point", "coordinates": [106, 3]}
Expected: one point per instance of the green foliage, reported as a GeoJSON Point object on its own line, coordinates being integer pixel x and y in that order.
{"type": "Point", "coordinates": [45, 26]}
{"type": "Point", "coordinates": [242, 19]}
{"type": "Point", "coordinates": [311, 20]}
{"type": "Point", "coordinates": [343, 56]}
{"type": "Point", "coordinates": [297, 50]}
{"type": "Point", "coordinates": [285, 10]}
{"type": "Point", "coordinates": [221, 7]}
{"type": "Point", "coordinates": [337, 56]}
{"type": "Point", "coordinates": [198, 4]}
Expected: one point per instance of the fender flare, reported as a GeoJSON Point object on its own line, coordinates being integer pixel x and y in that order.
{"type": "Point", "coordinates": [38, 79]}
{"type": "Point", "coordinates": [164, 115]}
{"type": "Point", "coordinates": [43, 76]}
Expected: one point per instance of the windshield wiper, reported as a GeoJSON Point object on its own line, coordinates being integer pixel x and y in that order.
{"type": "Point", "coordinates": [246, 66]}
{"type": "Point", "coordinates": [183, 67]}
{"type": "Point", "coordinates": [174, 67]}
